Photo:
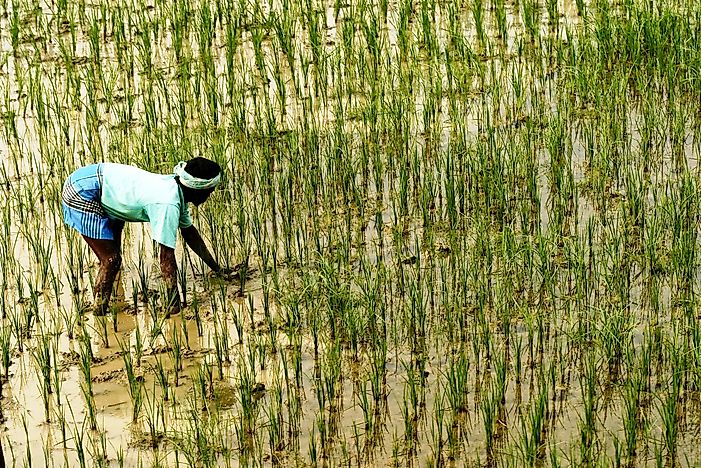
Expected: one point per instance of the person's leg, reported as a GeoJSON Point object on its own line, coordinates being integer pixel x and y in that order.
{"type": "Point", "coordinates": [109, 254]}
{"type": "Point", "coordinates": [118, 288]}
{"type": "Point", "coordinates": [117, 228]}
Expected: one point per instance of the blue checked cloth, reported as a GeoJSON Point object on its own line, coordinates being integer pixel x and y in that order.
{"type": "Point", "coordinates": [82, 209]}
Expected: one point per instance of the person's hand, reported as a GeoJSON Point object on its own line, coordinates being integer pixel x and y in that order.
{"type": "Point", "coordinates": [230, 274]}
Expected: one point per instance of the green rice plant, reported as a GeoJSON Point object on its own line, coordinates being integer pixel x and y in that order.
{"type": "Point", "coordinates": [205, 382]}
{"type": "Point", "coordinates": [410, 416]}
{"type": "Point", "coordinates": [86, 388]}
{"type": "Point", "coordinates": [588, 429]}
{"type": "Point", "coordinates": [198, 318]}
{"type": "Point", "coordinates": [24, 323]}
{"type": "Point", "coordinates": [102, 330]}
{"type": "Point", "coordinates": [63, 427]}
{"type": "Point", "coordinates": [477, 9]}
{"type": "Point", "coordinates": [138, 346]}
{"type": "Point", "coordinates": [162, 378]}
{"type": "Point", "coordinates": [158, 313]}
{"type": "Point", "coordinates": [531, 19]}
{"type": "Point", "coordinates": [78, 436]}
{"type": "Point", "coordinates": [276, 422]}
{"type": "Point", "coordinates": [669, 403]}
{"type": "Point", "coordinates": [15, 28]}
{"type": "Point", "coordinates": [221, 337]}
{"type": "Point", "coordinates": [249, 409]}
{"type": "Point", "coordinates": [200, 443]}
{"type": "Point", "coordinates": [518, 359]}
{"type": "Point", "coordinates": [437, 429]}
{"type": "Point", "coordinates": [313, 448]}
{"type": "Point", "coordinates": [533, 426]}
{"type": "Point", "coordinates": [135, 381]}
{"type": "Point", "coordinates": [175, 351]}
{"type": "Point", "coordinates": [404, 30]}
{"type": "Point", "coordinates": [428, 19]}
{"type": "Point", "coordinates": [45, 448]}
{"type": "Point", "coordinates": [489, 406]}
{"type": "Point", "coordinates": [365, 405]}
{"type": "Point", "coordinates": [5, 351]}
{"type": "Point", "coordinates": [98, 449]}
{"type": "Point", "coordinates": [142, 275]}
{"type": "Point", "coordinates": [42, 358]}
{"type": "Point", "coordinates": [154, 418]}
{"type": "Point", "coordinates": [553, 12]}
{"type": "Point", "coordinates": [631, 400]}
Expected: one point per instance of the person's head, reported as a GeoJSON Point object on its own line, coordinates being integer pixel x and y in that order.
{"type": "Point", "coordinates": [198, 178]}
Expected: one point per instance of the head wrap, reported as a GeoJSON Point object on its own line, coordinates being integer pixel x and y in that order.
{"type": "Point", "coordinates": [190, 181]}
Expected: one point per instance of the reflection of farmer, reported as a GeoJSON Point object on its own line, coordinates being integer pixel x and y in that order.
{"type": "Point", "coordinates": [99, 198]}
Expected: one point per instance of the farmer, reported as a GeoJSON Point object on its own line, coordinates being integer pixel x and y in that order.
{"type": "Point", "coordinates": [99, 198]}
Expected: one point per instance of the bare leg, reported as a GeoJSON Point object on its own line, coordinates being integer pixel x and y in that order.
{"type": "Point", "coordinates": [109, 254]}
{"type": "Point", "coordinates": [117, 227]}
{"type": "Point", "coordinates": [169, 270]}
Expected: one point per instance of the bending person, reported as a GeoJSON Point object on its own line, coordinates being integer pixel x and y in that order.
{"type": "Point", "coordinates": [98, 199]}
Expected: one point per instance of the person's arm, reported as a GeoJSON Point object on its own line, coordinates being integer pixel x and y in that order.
{"type": "Point", "coordinates": [194, 240]}
{"type": "Point", "coordinates": [169, 270]}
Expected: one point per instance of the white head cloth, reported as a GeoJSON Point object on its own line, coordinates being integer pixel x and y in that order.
{"type": "Point", "coordinates": [190, 181]}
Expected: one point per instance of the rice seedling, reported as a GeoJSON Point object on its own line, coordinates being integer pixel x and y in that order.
{"type": "Point", "coordinates": [43, 358]}
{"type": "Point", "coordinates": [135, 382]}
{"type": "Point", "coordinates": [86, 383]}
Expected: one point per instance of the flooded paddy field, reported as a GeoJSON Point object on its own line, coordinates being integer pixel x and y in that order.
{"type": "Point", "coordinates": [469, 231]}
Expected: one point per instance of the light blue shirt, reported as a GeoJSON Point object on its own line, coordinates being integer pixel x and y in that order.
{"type": "Point", "coordinates": [132, 194]}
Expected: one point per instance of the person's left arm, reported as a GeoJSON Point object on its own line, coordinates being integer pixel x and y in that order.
{"type": "Point", "coordinates": [194, 240]}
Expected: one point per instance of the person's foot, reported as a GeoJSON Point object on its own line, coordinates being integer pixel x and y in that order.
{"type": "Point", "coordinates": [99, 309]}
{"type": "Point", "coordinates": [121, 306]}
{"type": "Point", "coordinates": [173, 310]}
